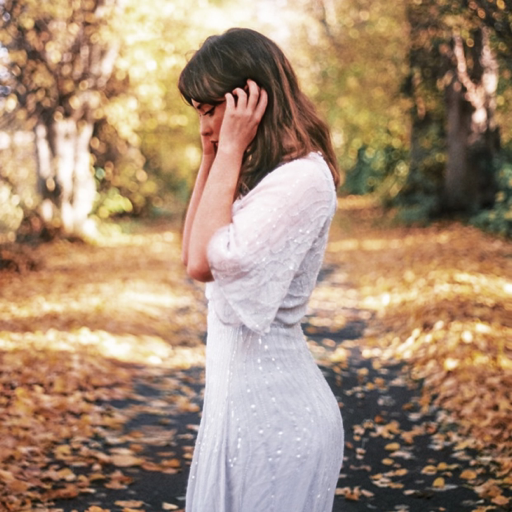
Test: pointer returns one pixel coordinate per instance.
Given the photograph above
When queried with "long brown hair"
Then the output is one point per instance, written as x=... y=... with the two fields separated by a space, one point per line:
x=290 y=127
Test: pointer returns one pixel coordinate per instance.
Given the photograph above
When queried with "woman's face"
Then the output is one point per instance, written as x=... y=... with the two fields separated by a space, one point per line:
x=210 y=121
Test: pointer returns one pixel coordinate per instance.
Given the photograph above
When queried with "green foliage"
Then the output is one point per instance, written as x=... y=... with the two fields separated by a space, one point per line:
x=122 y=184
x=113 y=203
x=381 y=170
x=419 y=197
x=498 y=219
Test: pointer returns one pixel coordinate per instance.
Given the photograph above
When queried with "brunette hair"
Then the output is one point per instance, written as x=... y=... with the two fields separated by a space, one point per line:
x=290 y=127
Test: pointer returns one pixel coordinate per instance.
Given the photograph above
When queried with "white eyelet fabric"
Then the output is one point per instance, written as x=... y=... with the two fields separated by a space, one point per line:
x=271 y=434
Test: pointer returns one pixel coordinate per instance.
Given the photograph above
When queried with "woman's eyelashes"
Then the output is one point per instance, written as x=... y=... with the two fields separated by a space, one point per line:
x=208 y=112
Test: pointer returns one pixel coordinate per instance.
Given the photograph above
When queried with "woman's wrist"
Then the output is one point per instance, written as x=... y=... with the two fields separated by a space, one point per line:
x=230 y=150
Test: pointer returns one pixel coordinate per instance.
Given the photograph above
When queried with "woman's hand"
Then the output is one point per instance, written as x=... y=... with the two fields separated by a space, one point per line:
x=244 y=111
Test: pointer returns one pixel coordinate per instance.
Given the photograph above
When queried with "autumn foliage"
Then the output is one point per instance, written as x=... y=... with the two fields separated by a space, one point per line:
x=440 y=299
x=73 y=336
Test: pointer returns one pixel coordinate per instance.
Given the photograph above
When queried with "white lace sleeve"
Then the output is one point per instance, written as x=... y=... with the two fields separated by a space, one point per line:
x=254 y=259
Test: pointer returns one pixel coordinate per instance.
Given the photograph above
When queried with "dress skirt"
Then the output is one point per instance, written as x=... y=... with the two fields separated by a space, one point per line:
x=271 y=433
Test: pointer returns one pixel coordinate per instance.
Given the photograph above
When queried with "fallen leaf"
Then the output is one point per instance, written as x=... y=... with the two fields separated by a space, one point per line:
x=126 y=461
x=501 y=500
x=438 y=483
x=468 y=474
x=429 y=470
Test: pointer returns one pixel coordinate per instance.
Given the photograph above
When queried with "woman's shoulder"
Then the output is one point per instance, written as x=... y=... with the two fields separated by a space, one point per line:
x=311 y=165
x=310 y=171
x=291 y=180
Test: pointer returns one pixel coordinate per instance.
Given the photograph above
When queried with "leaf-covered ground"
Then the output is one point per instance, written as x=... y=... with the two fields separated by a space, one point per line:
x=102 y=361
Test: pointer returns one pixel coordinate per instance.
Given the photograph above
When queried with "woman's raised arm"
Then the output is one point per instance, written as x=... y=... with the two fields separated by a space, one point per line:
x=197 y=192
x=239 y=127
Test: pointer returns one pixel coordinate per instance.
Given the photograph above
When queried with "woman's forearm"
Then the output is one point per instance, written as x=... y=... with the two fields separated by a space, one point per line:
x=197 y=192
x=213 y=211
x=239 y=118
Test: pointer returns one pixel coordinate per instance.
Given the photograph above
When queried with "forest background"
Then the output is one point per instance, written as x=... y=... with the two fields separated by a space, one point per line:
x=417 y=93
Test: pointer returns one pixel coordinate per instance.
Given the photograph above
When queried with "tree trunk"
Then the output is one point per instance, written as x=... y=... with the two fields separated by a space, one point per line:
x=66 y=182
x=472 y=134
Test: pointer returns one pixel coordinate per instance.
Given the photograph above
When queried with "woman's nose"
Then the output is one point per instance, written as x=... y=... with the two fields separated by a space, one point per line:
x=205 y=127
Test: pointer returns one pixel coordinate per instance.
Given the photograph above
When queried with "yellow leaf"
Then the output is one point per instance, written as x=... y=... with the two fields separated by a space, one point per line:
x=169 y=506
x=501 y=500
x=468 y=474
x=353 y=495
x=172 y=463
x=125 y=461
x=18 y=486
x=96 y=476
x=350 y=494
x=6 y=476
x=392 y=447
x=387 y=462
x=429 y=470
x=66 y=474
x=129 y=503
x=438 y=482
x=505 y=362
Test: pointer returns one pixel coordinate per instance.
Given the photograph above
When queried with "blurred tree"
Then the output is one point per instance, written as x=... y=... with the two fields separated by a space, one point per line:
x=61 y=55
x=472 y=134
x=453 y=82
x=351 y=57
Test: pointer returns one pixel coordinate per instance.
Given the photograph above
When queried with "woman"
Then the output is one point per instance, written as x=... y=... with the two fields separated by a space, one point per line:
x=271 y=435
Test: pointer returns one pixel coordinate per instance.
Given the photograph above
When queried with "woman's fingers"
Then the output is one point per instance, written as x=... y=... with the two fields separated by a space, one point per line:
x=230 y=101
x=244 y=111
x=262 y=104
x=254 y=94
x=249 y=101
x=241 y=97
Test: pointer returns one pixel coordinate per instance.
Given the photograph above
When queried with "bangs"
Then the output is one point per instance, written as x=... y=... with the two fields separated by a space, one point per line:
x=200 y=87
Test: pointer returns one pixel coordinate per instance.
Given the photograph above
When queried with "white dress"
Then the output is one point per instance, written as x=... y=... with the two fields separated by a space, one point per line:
x=271 y=434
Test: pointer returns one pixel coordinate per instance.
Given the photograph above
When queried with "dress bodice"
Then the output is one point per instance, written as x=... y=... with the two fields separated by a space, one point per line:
x=266 y=262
